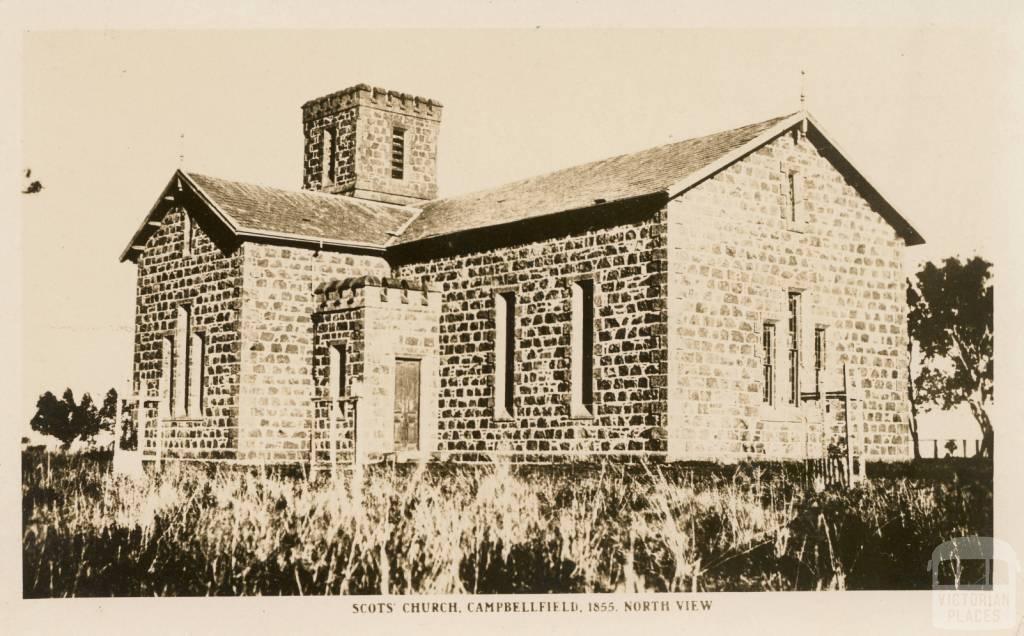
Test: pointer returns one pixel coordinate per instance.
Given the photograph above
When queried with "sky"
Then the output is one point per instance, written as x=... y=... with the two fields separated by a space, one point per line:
x=927 y=114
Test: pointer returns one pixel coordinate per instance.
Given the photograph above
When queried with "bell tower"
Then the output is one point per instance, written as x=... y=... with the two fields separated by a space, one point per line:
x=371 y=143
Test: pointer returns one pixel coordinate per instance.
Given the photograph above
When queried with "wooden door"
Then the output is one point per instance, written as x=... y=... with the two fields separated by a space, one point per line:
x=407 y=404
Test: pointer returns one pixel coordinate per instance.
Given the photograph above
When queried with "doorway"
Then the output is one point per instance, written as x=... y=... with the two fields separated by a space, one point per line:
x=407 y=404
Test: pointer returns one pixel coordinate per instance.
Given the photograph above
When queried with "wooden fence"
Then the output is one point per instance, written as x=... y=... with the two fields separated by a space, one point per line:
x=333 y=440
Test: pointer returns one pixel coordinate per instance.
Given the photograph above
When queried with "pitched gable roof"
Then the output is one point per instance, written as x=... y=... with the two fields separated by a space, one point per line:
x=304 y=212
x=670 y=169
x=623 y=177
x=260 y=212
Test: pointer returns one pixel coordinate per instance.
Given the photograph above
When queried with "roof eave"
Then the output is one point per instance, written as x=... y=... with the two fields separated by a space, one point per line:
x=305 y=239
x=654 y=196
x=899 y=222
x=156 y=208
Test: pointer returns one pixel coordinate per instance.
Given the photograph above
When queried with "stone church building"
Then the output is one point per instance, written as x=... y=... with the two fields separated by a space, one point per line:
x=734 y=296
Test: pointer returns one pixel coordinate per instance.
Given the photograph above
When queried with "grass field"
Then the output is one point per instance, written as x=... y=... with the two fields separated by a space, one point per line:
x=192 y=530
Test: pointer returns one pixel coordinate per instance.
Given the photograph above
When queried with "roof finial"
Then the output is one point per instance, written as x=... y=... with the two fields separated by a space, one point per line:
x=803 y=98
x=803 y=103
x=181 y=149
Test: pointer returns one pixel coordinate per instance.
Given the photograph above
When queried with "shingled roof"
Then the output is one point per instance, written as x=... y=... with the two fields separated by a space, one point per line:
x=622 y=177
x=263 y=213
x=304 y=212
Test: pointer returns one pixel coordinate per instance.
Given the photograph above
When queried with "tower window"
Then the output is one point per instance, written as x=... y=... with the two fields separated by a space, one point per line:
x=582 y=376
x=330 y=159
x=504 y=359
x=794 y=348
x=398 y=153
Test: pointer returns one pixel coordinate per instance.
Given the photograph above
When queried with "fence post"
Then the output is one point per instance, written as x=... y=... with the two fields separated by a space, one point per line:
x=159 y=444
x=935 y=449
x=142 y=424
x=848 y=385
x=312 y=443
x=355 y=429
x=332 y=436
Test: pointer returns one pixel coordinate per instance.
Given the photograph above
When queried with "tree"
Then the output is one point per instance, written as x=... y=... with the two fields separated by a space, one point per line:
x=951 y=321
x=84 y=418
x=53 y=418
x=950 y=448
x=68 y=420
x=911 y=295
x=108 y=412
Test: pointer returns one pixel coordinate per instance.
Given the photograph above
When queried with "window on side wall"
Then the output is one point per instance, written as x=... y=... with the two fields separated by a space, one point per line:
x=197 y=375
x=182 y=364
x=768 y=363
x=794 y=326
x=582 y=331
x=167 y=366
x=504 y=358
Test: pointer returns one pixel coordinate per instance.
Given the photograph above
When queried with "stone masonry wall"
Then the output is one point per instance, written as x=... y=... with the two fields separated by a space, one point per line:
x=342 y=125
x=209 y=282
x=626 y=263
x=373 y=156
x=733 y=258
x=344 y=325
x=377 y=325
x=276 y=404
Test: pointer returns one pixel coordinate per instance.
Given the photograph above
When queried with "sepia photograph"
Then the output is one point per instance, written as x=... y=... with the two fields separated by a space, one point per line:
x=438 y=321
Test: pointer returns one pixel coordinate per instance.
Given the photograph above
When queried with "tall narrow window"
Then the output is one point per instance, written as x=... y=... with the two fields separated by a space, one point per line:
x=768 y=363
x=794 y=213
x=505 y=354
x=794 y=348
x=186 y=233
x=398 y=153
x=167 y=376
x=179 y=402
x=819 y=357
x=582 y=377
x=336 y=371
x=196 y=375
x=329 y=158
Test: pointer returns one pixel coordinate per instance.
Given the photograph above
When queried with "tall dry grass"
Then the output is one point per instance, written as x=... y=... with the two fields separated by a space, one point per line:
x=439 y=529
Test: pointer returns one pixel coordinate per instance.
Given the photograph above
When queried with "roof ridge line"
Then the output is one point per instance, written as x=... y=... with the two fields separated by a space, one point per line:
x=612 y=157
